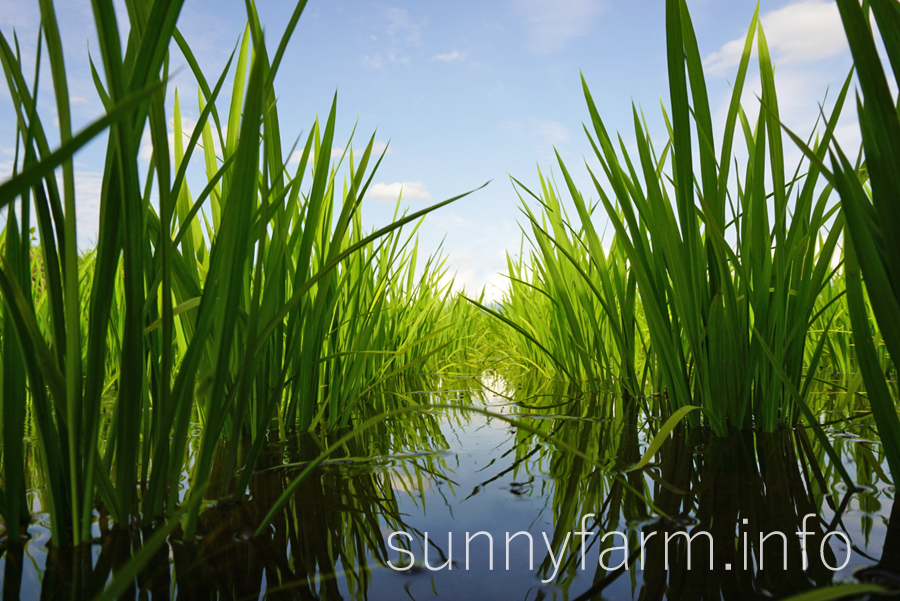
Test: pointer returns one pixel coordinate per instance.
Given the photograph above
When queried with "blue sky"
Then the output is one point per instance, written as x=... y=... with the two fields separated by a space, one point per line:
x=465 y=92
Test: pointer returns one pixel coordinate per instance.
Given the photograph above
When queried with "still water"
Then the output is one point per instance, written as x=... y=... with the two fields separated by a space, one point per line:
x=542 y=522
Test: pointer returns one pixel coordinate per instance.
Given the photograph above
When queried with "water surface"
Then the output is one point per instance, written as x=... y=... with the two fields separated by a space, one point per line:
x=449 y=474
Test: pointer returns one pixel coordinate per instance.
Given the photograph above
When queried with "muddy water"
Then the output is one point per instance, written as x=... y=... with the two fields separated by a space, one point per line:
x=358 y=528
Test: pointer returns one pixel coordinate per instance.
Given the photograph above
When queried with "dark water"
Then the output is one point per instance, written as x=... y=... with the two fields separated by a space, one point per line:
x=446 y=475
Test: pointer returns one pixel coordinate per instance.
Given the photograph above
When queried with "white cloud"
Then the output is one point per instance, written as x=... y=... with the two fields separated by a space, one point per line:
x=552 y=25
x=801 y=32
x=396 y=56
x=848 y=136
x=543 y=134
x=800 y=92
x=401 y=27
x=475 y=272
x=450 y=57
x=401 y=32
x=447 y=219
x=380 y=146
x=552 y=132
x=808 y=46
x=495 y=287
x=391 y=192
x=373 y=61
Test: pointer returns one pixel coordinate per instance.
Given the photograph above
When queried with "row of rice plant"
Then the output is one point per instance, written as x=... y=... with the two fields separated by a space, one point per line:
x=593 y=337
x=260 y=304
x=716 y=288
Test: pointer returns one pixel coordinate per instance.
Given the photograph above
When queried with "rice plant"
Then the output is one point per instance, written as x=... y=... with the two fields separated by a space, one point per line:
x=726 y=271
x=868 y=196
x=586 y=295
x=258 y=302
x=253 y=308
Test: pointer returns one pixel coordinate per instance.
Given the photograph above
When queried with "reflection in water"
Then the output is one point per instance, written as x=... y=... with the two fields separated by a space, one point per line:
x=443 y=477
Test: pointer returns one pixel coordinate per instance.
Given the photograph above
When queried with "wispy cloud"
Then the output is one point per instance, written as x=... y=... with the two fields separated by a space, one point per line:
x=401 y=33
x=552 y=25
x=544 y=132
x=373 y=61
x=19 y=15
x=402 y=28
x=450 y=57
x=446 y=220
x=801 y=32
x=391 y=192
x=808 y=47
x=552 y=132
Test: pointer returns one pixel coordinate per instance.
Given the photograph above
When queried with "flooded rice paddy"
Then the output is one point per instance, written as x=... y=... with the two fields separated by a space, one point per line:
x=460 y=505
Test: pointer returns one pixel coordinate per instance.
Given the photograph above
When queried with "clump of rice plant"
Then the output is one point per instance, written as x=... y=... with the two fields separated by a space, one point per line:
x=259 y=304
x=717 y=272
x=572 y=303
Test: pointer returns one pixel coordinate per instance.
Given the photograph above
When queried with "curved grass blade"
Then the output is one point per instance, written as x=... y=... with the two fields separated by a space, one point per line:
x=662 y=435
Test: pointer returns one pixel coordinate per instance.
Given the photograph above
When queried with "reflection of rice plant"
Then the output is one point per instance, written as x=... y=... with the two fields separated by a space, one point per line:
x=328 y=537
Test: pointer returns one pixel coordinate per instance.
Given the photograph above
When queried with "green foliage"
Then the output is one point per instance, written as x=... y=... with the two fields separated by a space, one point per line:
x=258 y=307
x=261 y=307
x=705 y=270
x=873 y=252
